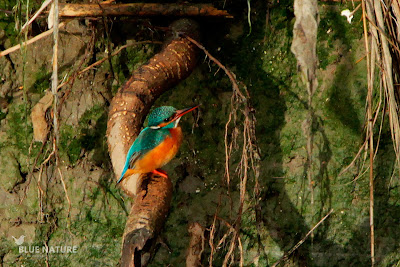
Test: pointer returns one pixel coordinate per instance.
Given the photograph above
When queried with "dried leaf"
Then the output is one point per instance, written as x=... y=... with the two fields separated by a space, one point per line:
x=38 y=116
x=50 y=17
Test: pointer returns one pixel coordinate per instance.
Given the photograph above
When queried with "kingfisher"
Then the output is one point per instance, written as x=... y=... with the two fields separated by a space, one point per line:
x=156 y=144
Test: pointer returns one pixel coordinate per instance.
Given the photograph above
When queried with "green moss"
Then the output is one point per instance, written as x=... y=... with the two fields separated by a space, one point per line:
x=7 y=23
x=335 y=34
x=263 y=61
x=88 y=136
x=69 y=143
x=41 y=81
x=20 y=128
x=129 y=60
x=100 y=226
x=95 y=236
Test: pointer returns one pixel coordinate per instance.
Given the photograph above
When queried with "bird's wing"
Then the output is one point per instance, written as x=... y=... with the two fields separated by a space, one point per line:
x=146 y=140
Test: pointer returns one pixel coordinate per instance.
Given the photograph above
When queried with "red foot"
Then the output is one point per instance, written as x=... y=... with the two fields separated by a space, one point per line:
x=160 y=173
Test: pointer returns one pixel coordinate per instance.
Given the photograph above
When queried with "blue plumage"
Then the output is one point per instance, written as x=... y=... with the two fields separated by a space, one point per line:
x=162 y=123
x=149 y=137
x=160 y=115
x=147 y=140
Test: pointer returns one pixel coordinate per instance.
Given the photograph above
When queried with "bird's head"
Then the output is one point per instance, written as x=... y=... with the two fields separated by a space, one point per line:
x=166 y=117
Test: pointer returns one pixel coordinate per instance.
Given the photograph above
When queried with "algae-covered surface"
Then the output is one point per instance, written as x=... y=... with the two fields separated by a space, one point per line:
x=88 y=214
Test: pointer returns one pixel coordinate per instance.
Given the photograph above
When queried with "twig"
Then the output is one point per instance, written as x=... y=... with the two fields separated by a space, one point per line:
x=6 y=11
x=65 y=188
x=40 y=195
x=370 y=131
x=212 y=235
x=286 y=256
x=229 y=255
x=54 y=76
x=30 y=41
x=241 y=263
x=228 y=178
x=225 y=236
x=384 y=35
x=44 y=5
x=54 y=84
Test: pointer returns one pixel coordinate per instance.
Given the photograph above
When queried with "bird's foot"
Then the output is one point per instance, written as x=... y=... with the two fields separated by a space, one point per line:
x=160 y=173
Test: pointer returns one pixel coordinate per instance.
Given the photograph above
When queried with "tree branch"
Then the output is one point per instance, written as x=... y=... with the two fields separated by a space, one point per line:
x=152 y=202
x=128 y=109
x=30 y=41
x=141 y=9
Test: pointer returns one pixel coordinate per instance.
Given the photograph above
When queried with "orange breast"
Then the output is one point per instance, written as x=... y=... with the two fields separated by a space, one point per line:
x=161 y=154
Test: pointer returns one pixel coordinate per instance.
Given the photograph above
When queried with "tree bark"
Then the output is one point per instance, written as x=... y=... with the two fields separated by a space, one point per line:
x=128 y=109
x=152 y=202
x=140 y=9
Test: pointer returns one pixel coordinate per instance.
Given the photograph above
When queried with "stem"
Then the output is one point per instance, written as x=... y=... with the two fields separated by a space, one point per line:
x=54 y=77
x=371 y=139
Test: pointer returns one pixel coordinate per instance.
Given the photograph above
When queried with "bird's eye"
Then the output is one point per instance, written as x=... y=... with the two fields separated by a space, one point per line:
x=166 y=120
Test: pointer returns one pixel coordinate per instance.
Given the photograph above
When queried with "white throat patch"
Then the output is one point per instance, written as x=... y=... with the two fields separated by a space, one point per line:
x=177 y=121
x=158 y=127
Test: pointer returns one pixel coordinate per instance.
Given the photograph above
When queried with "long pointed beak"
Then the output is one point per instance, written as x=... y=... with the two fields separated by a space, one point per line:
x=181 y=112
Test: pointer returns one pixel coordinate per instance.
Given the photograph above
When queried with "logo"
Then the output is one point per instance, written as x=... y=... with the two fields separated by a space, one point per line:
x=43 y=249
x=49 y=249
x=19 y=241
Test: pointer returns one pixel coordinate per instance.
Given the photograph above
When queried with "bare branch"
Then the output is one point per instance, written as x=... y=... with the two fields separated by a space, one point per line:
x=30 y=41
x=141 y=9
x=44 y=5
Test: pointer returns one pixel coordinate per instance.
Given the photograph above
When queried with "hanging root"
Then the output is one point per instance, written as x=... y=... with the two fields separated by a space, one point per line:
x=241 y=121
x=382 y=39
